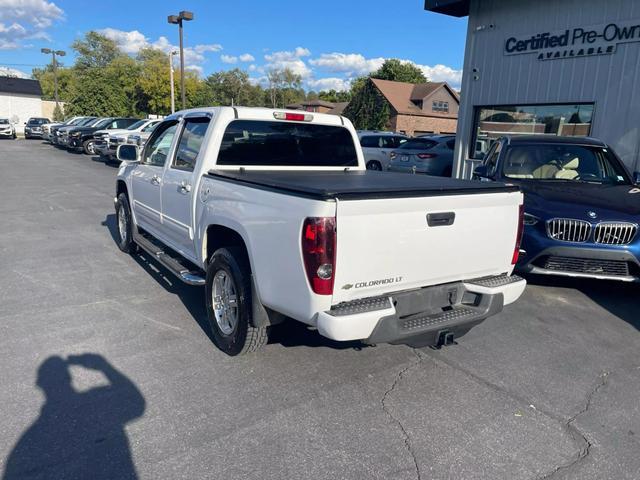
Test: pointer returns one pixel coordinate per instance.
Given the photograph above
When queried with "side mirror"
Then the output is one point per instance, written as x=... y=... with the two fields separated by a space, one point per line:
x=481 y=172
x=127 y=153
x=636 y=178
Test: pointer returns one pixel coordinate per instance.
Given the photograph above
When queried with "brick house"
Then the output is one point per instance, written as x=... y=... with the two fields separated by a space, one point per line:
x=421 y=108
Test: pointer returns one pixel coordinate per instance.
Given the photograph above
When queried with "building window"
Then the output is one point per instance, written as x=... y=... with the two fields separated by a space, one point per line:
x=441 y=107
x=493 y=122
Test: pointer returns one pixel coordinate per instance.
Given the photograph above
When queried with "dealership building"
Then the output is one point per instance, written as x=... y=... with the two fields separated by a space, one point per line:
x=548 y=67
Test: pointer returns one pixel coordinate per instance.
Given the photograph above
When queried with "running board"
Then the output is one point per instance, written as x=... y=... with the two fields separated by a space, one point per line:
x=170 y=263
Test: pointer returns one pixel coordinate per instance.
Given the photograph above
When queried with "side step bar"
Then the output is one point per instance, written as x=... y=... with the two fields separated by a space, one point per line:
x=173 y=265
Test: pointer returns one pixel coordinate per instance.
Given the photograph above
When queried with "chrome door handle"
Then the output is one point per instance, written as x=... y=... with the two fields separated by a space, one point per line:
x=185 y=187
x=155 y=180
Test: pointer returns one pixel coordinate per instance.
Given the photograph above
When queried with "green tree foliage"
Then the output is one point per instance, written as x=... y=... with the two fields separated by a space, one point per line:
x=66 y=78
x=153 y=90
x=334 y=96
x=95 y=51
x=368 y=109
x=398 y=71
x=58 y=114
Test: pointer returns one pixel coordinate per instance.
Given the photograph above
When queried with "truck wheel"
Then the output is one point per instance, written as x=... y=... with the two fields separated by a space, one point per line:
x=125 y=225
x=229 y=305
x=88 y=146
x=374 y=165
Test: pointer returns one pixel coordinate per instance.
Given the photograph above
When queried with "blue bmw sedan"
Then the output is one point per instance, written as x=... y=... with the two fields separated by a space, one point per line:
x=582 y=206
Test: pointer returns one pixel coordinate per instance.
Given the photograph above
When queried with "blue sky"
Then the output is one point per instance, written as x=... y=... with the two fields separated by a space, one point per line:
x=327 y=43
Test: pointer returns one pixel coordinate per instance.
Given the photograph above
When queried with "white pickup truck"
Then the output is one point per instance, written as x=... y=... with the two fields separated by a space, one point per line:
x=274 y=212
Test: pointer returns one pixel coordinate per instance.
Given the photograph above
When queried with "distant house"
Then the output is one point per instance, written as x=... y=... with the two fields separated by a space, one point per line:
x=20 y=99
x=421 y=108
x=319 y=106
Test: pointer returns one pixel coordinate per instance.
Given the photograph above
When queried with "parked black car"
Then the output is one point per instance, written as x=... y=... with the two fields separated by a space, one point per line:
x=56 y=131
x=33 y=127
x=81 y=138
x=581 y=205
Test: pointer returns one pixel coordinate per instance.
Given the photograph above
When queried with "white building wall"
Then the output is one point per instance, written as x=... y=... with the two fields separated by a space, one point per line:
x=19 y=108
x=611 y=82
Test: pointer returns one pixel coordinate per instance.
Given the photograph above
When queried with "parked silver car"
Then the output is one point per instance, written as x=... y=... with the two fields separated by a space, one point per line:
x=376 y=147
x=432 y=155
x=7 y=129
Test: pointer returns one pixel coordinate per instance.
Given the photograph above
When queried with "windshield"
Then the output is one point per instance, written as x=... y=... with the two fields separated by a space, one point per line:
x=138 y=124
x=4 y=121
x=86 y=121
x=569 y=163
x=417 y=144
x=37 y=121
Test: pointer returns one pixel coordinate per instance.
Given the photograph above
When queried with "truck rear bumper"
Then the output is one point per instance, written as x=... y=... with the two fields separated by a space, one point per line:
x=421 y=317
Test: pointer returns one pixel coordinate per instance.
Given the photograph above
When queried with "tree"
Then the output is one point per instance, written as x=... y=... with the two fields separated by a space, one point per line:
x=153 y=88
x=230 y=88
x=66 y=79
x=398 y=71
x=276 y=81
x=58 y=114
x=368 y=109
x=334 y=96
x=95 y=50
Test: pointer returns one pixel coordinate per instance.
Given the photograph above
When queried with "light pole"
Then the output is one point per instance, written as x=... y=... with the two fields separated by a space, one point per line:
x=59 y=53
x=177 y=20
x=173 y=95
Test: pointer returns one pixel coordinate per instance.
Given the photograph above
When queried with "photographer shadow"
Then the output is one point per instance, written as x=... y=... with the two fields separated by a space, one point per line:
x=79 y=434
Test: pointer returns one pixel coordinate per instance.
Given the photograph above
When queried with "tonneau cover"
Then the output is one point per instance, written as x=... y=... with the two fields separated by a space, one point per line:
x=358 y=184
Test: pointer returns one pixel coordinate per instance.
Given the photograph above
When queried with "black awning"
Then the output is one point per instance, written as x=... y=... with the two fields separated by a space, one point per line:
x=454 y=8
x=20 y=86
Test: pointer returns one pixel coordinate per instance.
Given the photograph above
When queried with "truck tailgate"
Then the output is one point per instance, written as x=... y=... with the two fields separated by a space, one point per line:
x=387 y=245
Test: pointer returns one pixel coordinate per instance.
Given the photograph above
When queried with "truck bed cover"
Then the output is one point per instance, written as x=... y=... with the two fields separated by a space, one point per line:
x=357 y=184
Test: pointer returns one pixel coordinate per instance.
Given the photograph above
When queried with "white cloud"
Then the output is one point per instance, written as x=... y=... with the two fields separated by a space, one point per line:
x=228 y=59
x=246 y=57
x=350 y=64
x=291 y=60
x=12 y=72
x=129 y=42
x=442 y=73
x=330 y=83
x=26 y=19
x=133 y=41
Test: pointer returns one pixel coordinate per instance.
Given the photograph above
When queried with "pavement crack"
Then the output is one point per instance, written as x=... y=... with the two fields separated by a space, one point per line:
x=383 y=402
x=578 y=436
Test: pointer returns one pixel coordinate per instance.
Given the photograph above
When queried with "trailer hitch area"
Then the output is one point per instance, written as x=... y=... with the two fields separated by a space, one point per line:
x=444 y=339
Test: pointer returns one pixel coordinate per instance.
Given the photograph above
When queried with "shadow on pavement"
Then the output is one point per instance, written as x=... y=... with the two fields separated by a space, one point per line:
x=79 y=434
x=619 y=298
x=288 y=334
x=108 y=163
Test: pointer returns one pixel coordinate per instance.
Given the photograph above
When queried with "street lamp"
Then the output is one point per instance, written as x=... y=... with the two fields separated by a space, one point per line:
x=177 y=20
x=59 y=53
x=173 y=95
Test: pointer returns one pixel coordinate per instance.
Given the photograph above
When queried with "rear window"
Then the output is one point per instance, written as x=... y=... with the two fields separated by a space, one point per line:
x=418 y=143
x=284 y=144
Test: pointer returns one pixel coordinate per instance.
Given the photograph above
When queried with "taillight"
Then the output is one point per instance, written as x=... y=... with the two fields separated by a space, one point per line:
x=424 y=156
x=319 y=253
x=294 y=117
x=516 y=251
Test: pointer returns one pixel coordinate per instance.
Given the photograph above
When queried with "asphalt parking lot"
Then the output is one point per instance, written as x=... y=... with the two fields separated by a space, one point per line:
x=108 y=371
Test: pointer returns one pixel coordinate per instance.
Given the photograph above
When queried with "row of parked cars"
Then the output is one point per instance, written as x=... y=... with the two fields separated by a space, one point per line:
x=97 y=135
x=389 y=151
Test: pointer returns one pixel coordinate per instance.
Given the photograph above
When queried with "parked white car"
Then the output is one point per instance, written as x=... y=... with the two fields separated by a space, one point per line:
x=107 y=141
x=7 y=129
x=274 y=212
x=377 y=146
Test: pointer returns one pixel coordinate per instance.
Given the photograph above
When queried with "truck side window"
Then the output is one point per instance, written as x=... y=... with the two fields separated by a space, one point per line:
x=159 y=144
x=190 y=143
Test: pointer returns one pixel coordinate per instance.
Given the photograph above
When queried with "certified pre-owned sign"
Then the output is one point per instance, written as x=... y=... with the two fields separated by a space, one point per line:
x=575 y=42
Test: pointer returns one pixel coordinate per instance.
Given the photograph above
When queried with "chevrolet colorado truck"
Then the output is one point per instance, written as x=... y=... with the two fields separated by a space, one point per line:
x=274 y=212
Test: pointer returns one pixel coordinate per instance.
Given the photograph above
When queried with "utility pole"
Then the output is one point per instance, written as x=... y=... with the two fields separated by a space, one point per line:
x=177 y=20
x=59 y=53
x=173 y=93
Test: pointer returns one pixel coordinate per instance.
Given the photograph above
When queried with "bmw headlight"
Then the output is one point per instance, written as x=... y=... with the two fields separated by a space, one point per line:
x=530 y=219
x=74 y=134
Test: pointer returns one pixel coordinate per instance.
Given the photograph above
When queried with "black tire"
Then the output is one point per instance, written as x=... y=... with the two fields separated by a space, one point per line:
x=374 y=165
x=244 y=338
x=125 y=233
x=88 y=147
